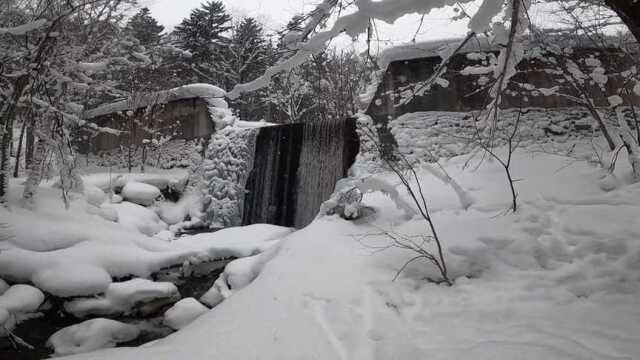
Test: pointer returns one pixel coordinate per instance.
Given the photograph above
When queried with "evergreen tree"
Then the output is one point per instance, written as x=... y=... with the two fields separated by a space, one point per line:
x=248 y=52
x=144 y=27
x=248 y=57
x=203 y=34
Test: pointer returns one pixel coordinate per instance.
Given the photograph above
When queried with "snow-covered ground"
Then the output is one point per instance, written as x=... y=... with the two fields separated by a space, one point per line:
x=560 y=279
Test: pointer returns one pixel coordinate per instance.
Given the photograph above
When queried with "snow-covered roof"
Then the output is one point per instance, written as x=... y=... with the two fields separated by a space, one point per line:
x=432 y=48
x=162 y=97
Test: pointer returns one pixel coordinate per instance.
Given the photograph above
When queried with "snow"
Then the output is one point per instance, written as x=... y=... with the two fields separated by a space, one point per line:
x=21 y=298
x=205 y=91
x=94 y=195
x=140 y=193
x=75 y=252
x=481 y=20
x=174 y=178
x=122 y=297
x=226 y=168
x=559 y=279
x=433 y=48
x=138 y=218
x=91 y=335
x=183 y=313
x=72 y=279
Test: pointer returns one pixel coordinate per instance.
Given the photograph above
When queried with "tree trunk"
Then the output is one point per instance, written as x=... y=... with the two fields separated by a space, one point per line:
x=16 y=169
x=629 y=12
x=29 y=146
x=5 y=158
x=34 y=172
x=7 y=118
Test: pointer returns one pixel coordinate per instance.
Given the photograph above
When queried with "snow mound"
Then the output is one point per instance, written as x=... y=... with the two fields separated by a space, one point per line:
x=94 y=195
x=140 y=193
x=138 y=218
x=123 y=297
x=183 y=313
x=189 y=205
x=69 y=279
x=21 y=299
x=174 y=179
x=91 y=335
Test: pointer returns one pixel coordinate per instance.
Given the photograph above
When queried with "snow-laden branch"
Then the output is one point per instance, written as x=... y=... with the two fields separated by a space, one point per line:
x=357 y=23
x=24 y=28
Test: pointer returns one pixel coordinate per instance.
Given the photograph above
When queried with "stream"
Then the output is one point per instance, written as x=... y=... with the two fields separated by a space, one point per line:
x=37 y=330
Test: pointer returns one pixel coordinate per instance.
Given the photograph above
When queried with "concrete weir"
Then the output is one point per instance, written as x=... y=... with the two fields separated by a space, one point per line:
x=295 y=169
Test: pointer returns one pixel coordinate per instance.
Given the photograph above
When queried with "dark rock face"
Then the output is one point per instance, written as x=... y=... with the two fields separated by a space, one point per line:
x=295 y=169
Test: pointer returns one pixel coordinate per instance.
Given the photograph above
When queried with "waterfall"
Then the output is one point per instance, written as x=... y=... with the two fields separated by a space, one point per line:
x=295 y=169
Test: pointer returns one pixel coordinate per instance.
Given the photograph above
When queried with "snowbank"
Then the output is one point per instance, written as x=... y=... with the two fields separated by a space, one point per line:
x=557 y=280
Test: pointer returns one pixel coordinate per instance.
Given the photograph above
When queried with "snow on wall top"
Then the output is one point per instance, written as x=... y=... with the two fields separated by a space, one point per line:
x=190 y=91
x=442 y=47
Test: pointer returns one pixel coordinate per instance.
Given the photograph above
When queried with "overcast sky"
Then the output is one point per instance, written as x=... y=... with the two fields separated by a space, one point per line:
x=274 y=14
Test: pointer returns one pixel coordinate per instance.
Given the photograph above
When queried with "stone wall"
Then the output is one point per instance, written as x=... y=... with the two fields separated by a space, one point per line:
x=184 y=119
x=464 y=93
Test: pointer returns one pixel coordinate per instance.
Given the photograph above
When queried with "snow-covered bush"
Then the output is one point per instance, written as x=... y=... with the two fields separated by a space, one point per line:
x=225 y=170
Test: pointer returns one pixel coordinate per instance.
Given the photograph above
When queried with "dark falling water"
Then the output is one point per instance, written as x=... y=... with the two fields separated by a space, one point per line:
x=295 y=169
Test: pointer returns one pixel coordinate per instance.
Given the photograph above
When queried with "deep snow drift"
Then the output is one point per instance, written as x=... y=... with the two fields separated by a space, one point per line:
x=560 y=279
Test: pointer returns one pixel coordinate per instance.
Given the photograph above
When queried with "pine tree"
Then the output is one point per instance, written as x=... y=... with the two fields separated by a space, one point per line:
x=248 y=50
x=203 y=34
x=144 y=27
x=248 y=57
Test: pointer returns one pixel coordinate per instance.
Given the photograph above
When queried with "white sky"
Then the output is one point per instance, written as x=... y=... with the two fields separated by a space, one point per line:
x=273 y=14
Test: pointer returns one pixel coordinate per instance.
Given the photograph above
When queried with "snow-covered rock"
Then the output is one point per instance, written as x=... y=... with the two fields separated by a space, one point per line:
x=94 y=195
x=124 y=298
x=138 y=218
x=140 y=193
x=21 y=298
x=69 y=279
x=212 y=297
x=183 y=313
x=91 y=335
x=190 y=205
x=116 y=199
